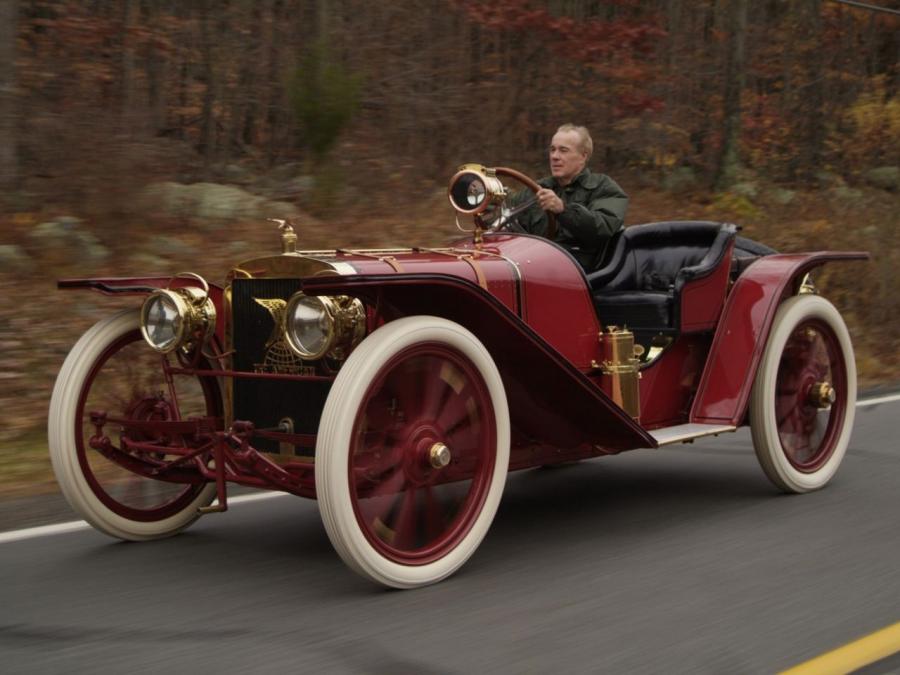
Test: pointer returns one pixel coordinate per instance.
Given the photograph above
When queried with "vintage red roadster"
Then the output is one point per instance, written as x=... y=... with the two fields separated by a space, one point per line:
x=399 y=386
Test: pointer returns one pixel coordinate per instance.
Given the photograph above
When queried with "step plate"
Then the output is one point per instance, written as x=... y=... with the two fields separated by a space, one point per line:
x=688 y=432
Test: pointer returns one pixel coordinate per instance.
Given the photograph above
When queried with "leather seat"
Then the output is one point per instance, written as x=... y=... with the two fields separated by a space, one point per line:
x=640 y=285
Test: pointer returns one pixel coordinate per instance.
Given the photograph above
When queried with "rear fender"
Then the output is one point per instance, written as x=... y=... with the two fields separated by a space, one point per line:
x=550 y=400
x=743 y=331
x=143 y=286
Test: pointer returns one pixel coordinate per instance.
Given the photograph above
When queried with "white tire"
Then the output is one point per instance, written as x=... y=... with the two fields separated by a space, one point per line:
x=110 y=498
x=410 y=386
x=800 y=439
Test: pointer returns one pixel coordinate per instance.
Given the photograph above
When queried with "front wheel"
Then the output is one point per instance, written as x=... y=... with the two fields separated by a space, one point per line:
x=412 y=452
x=112 y=370
x=804 y=397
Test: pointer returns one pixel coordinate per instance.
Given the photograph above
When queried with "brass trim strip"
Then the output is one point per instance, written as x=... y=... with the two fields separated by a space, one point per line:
x=228 y=403
x=363 y=251
x=479 y=273
x=449 y=252
x=457 y=252
x=389 y=259
x=393 y=262
x=518 y=274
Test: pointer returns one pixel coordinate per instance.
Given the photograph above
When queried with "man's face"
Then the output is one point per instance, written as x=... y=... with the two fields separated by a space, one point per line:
x=566 y=157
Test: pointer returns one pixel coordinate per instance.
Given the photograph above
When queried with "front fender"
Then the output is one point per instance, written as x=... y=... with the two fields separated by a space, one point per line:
x=143 y=286
x=550 y=400
x=743 y=330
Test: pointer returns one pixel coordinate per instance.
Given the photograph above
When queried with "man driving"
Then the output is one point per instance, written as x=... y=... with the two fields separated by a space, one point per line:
x=589 y=207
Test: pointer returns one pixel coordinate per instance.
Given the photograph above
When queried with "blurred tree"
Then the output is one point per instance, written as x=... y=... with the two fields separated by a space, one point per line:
x=9 y=162
x=735 y=49
x=662 y=83
x=208 y=124
x=324 y=96
x=811 y=113
x=129 y=12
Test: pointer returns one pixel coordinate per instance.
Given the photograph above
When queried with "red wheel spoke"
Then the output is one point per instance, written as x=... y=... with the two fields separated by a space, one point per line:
x=128 y=382
x=786 y=415
x=431 y=394
x=811 y=356
x=434 y=517
x=406 y=521
x=455 y=411
x=390 y=485
x=435 y=393
x=406 y=387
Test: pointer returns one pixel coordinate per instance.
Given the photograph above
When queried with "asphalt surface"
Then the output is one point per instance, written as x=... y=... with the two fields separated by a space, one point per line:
x=681 y=560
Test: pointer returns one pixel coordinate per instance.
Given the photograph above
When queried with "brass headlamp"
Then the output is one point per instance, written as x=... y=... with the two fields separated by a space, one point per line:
x=173 y=318
x=316 y=325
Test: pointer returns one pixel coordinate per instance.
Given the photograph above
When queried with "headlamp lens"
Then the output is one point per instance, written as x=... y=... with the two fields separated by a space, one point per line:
x=161 y=322
x=310 y=326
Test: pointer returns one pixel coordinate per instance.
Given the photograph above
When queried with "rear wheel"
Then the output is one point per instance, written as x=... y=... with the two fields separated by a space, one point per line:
x=803 y=401
x=412 y=452
x=111 y=369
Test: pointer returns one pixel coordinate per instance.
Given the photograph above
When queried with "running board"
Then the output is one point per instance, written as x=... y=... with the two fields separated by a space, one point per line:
x=688 y=432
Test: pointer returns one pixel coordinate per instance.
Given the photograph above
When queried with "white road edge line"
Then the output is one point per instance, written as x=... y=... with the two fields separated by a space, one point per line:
x=73 y=526
x=877 y=400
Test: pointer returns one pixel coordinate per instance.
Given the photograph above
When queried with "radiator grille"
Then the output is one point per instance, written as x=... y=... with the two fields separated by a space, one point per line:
x=256 y=304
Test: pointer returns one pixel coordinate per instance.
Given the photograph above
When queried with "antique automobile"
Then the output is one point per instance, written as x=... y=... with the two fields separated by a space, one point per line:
x=398 y=387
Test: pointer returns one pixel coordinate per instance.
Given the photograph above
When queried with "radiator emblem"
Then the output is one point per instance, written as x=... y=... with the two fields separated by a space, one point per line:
x=279 y=358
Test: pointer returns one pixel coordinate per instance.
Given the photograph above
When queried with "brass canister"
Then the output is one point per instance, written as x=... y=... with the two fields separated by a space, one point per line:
x=621 y=369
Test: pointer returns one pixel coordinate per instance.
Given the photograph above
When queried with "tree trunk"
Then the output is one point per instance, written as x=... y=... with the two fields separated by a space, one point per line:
x=9 y=161
x=127 y=72
x=729 y=157
x=813 y=136
x=208 y=123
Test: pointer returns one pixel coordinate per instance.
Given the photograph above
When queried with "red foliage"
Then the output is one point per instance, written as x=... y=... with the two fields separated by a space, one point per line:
x=617 y=47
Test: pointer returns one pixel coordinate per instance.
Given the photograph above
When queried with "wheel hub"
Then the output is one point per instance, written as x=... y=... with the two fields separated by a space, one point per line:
x=822 y=395
x=439 y=455
x=427 y=455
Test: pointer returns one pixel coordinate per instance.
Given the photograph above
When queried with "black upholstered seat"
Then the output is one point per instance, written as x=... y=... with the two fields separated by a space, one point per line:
x=640 y=285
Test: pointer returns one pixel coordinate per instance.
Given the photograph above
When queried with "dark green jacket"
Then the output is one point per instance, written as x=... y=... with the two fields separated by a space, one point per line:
x=595 y=211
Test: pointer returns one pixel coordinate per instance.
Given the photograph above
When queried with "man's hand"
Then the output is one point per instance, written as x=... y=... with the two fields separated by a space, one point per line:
x=549 y=201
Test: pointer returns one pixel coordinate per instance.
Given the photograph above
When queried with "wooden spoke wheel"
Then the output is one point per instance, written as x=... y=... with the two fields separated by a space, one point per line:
x=111 y=369
x=413 y=451
x=803 y=401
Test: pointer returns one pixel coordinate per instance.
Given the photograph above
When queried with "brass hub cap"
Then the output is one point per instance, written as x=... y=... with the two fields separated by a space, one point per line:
x=822 y=395
x=439 y=455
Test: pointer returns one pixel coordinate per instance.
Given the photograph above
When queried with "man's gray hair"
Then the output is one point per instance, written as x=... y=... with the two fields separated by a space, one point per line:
x=587 y=143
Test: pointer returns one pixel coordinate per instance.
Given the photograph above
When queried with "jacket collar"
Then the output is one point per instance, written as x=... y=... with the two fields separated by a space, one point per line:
x=585 y=179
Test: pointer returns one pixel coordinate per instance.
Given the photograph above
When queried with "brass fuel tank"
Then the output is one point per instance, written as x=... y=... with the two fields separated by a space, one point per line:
x=620 y=367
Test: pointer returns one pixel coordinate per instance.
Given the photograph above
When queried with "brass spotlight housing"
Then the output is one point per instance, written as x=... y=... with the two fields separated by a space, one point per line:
x=474 y=188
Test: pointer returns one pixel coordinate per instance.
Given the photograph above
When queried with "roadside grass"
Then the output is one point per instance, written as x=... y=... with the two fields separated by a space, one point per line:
x=25 y=466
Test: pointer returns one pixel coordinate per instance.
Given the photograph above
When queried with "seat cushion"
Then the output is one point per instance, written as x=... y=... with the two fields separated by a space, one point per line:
x=647 y=310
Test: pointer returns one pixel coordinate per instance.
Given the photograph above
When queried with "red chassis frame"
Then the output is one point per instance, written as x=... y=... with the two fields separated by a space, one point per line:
x=558 y=408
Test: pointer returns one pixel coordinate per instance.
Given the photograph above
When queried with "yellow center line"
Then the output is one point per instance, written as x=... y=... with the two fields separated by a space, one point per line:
x=853 y=656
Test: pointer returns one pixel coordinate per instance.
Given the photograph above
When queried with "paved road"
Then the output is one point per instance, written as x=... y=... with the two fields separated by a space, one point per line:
x=675 y=560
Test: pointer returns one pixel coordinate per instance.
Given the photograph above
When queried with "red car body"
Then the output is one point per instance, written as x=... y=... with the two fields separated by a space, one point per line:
x=532 y=308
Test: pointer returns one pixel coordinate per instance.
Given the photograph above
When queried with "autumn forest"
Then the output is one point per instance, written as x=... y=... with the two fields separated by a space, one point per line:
x=780 y=115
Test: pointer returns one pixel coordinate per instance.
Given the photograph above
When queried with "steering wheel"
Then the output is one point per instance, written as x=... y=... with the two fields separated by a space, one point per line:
x=505 y=218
